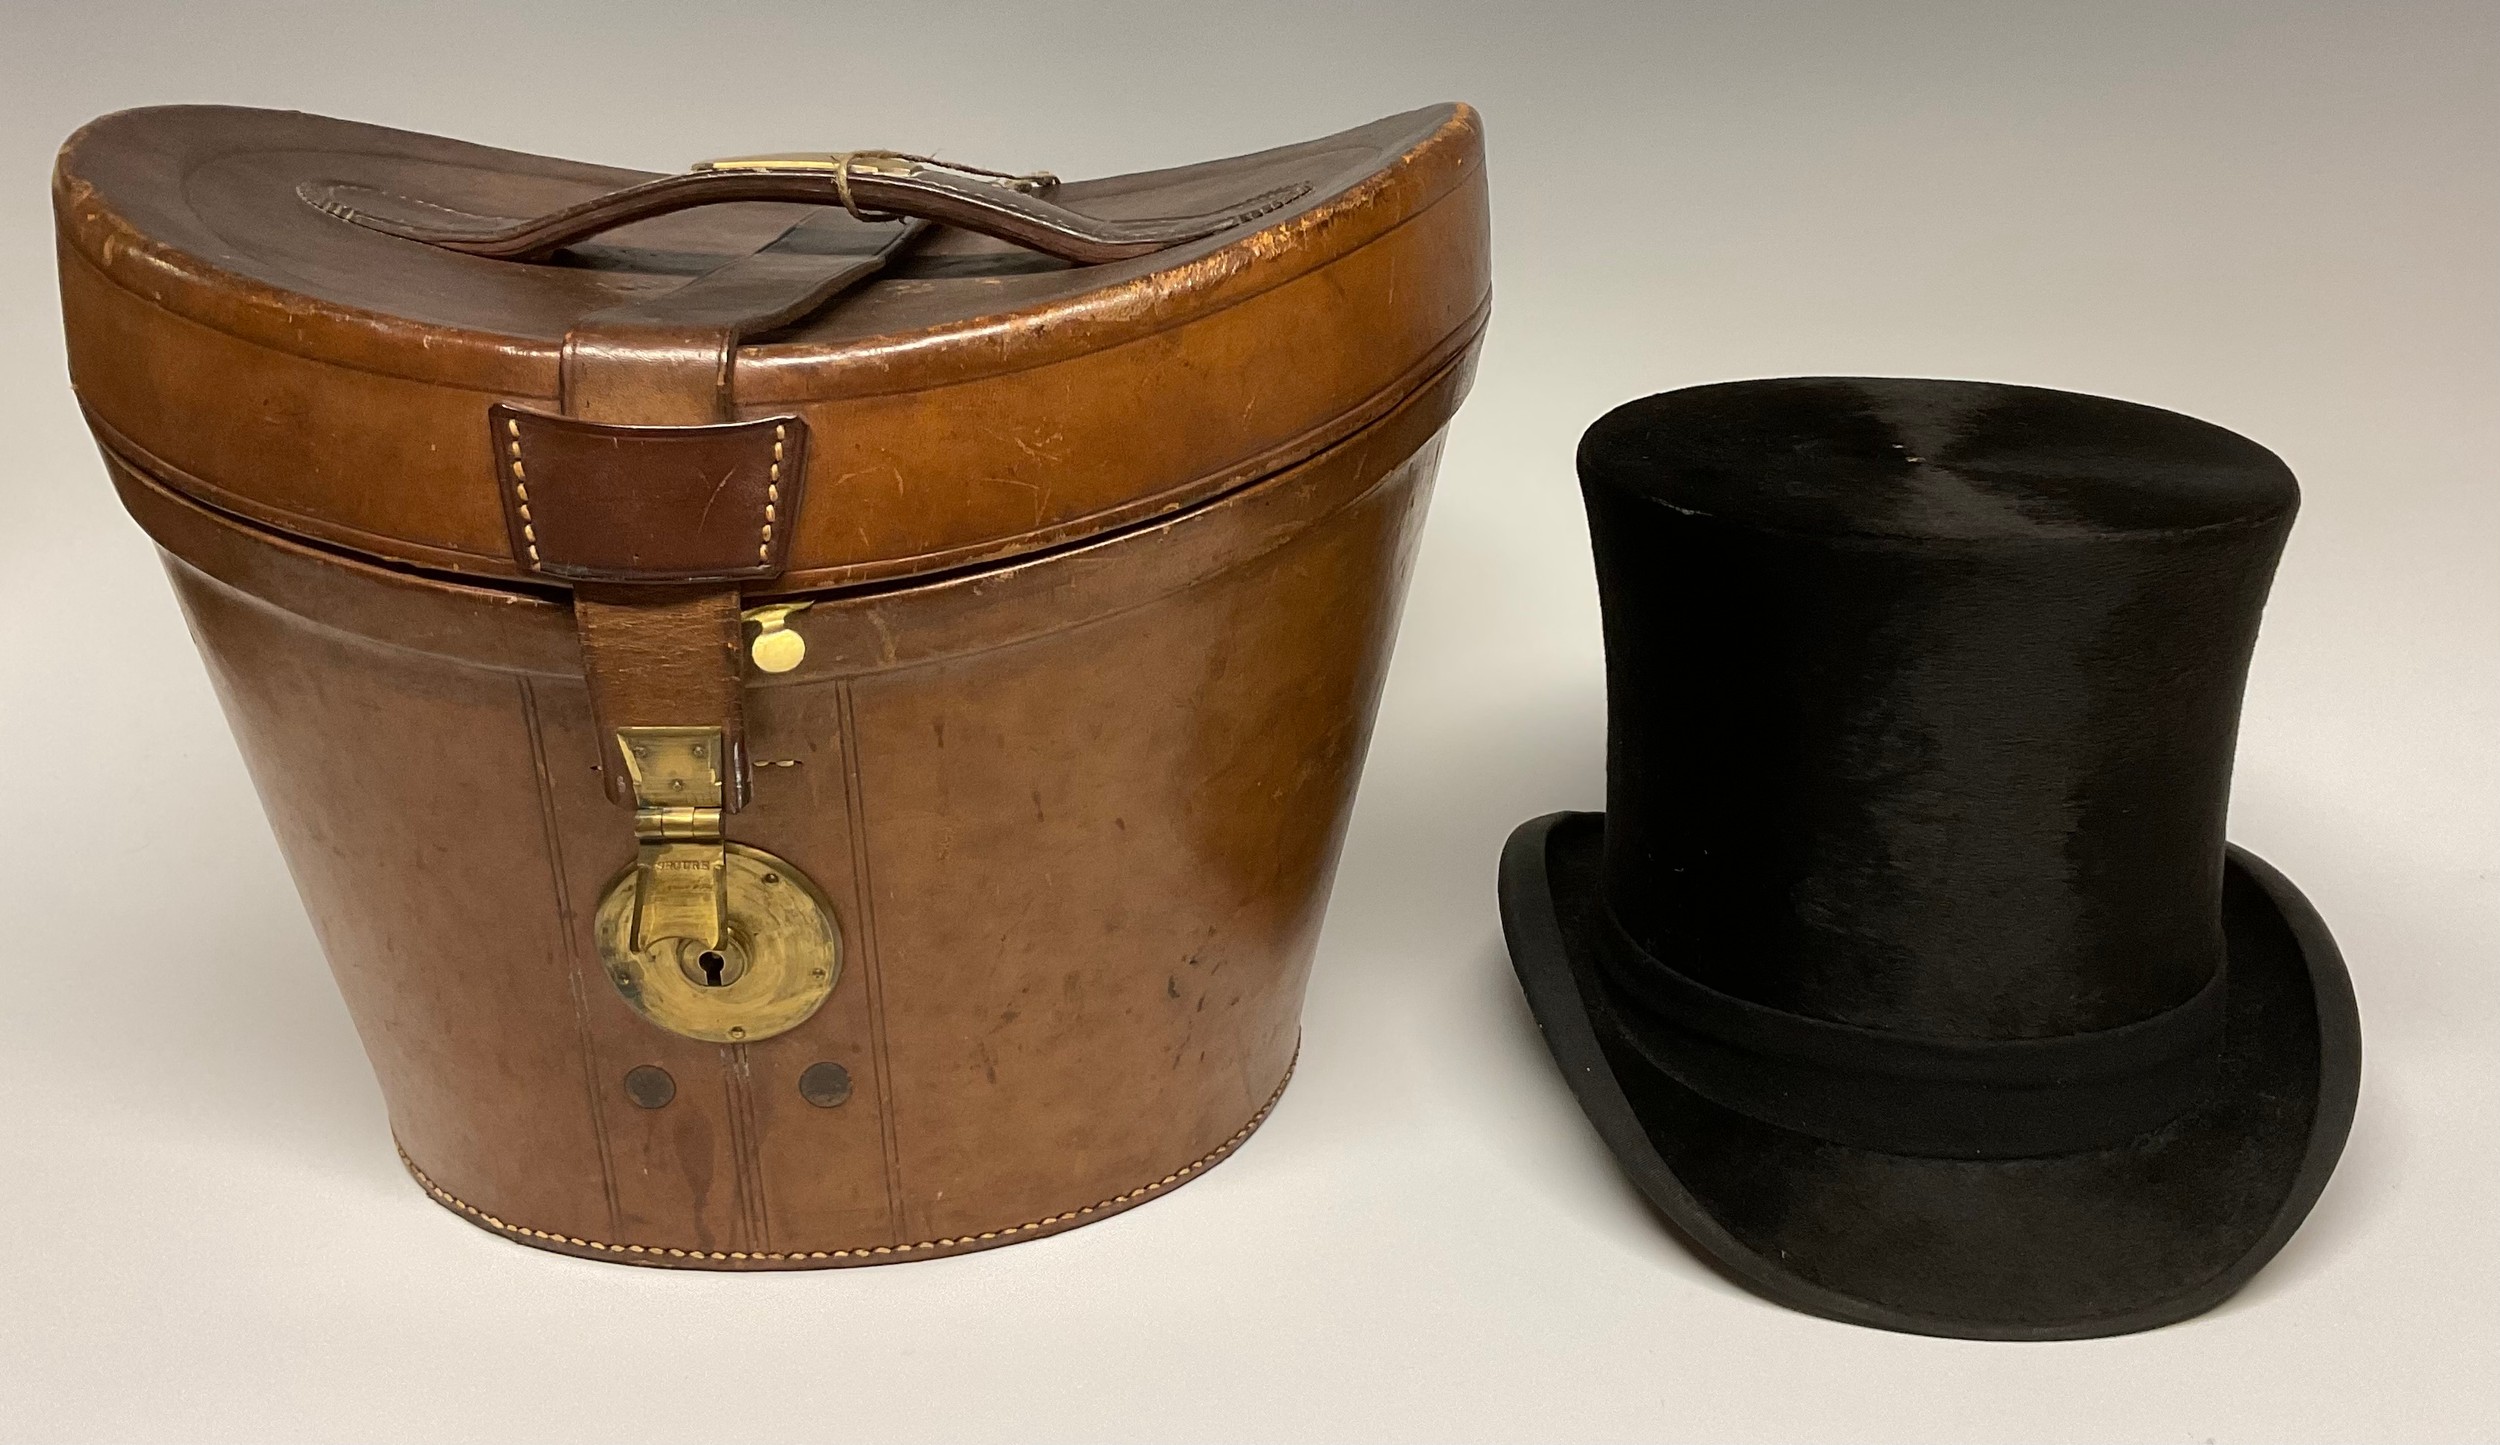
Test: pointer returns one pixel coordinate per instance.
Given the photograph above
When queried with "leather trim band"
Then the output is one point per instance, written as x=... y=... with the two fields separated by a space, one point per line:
x=1907 y=1094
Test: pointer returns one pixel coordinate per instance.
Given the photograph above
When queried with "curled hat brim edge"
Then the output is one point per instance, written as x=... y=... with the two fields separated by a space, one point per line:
x=1974 y=1246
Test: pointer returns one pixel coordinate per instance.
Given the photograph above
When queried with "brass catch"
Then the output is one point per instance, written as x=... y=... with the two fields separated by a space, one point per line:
x=775 y=647
x=678 y=867
x=704 y=937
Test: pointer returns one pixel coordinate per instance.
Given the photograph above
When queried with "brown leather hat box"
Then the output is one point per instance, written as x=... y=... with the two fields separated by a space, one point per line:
x=812 y=702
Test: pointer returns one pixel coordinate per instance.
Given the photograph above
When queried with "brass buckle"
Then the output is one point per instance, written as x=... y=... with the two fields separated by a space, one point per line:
x=842 y=165
x=875 y=163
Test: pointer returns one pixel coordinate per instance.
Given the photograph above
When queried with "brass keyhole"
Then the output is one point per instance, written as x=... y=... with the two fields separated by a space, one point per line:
x=712 y=967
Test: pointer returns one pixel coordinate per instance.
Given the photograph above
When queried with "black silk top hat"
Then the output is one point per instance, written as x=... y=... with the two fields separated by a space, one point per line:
x=1908 y=972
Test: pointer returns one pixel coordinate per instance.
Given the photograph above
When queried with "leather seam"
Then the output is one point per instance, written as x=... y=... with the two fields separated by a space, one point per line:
x=505 y=592
x=772 y=496
x=521 y=491
x=529 y=530
x=566 y=924
x=323 y=196
x=1177 y=1177
x=864 y=912
x=458 y=566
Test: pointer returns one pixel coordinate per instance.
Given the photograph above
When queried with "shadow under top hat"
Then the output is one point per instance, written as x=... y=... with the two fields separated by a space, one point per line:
x=1908 y=970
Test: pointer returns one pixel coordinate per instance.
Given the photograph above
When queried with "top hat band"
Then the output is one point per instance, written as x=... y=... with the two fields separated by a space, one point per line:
x=1911 y=1094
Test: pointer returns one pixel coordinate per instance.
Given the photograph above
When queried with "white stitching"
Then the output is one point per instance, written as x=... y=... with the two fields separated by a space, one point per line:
x=772 y=497
x=521 y=491
x=1177 y=1176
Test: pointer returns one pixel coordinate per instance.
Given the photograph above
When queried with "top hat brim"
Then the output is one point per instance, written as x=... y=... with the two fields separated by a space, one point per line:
x=2115 y=1240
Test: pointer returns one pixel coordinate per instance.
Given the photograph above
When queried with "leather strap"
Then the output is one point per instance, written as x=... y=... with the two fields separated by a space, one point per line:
x=924 y=191
x=663 y=657
x=655 y=502
x=667 y=360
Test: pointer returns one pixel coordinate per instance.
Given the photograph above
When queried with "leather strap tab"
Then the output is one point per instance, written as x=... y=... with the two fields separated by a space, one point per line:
x=671 y=359
x=663 y=658
x=622 y=369
x=655 y=501
x=589 y=501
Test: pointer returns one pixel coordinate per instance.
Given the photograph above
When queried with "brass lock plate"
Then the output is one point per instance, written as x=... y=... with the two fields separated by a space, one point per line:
x=778 y=955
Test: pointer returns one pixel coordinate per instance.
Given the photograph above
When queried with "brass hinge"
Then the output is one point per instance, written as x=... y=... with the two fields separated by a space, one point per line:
x=680 y=862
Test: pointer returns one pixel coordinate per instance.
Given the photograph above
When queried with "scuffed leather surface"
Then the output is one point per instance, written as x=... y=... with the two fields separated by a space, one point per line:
x=1076 y=811
x=272 y=360
x=1077 y=818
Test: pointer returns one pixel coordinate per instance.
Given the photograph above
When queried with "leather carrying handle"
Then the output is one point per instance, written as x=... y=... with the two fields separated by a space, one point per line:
x=648 y=492
x=927 y=192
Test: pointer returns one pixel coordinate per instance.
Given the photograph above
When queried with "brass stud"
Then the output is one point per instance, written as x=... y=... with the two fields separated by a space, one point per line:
x=825 y=1085
x=649 y=1086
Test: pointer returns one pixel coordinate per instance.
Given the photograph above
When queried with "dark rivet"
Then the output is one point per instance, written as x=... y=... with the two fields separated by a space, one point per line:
x=649 y=1086
x=825 y=1085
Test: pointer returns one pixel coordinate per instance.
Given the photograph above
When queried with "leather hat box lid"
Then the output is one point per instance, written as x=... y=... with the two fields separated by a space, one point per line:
x=242 y=341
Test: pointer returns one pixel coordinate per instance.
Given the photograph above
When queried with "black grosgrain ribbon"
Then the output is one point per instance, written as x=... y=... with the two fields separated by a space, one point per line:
x=1913 y=1094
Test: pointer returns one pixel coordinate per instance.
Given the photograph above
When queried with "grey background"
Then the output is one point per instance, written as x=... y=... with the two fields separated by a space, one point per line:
x=2280 y=217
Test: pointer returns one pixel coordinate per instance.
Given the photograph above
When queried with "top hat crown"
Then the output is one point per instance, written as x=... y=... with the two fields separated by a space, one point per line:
x=1917 y=724
x=1922 y=697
